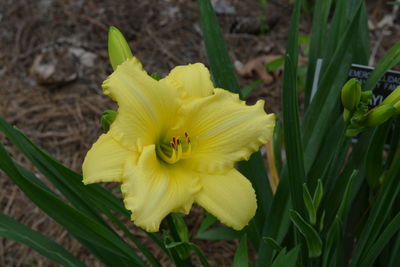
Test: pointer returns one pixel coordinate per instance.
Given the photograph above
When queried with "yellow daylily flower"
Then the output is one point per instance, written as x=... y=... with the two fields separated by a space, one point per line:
x=174 y=142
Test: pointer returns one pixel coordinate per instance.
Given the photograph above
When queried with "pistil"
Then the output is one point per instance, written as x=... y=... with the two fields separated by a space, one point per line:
x=175 y=150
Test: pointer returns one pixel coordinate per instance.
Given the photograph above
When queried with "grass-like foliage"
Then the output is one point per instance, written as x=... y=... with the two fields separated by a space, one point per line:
x=337 y=201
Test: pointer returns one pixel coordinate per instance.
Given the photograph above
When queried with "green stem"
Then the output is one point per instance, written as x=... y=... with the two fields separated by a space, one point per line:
x=328 y=172
x=175 y=255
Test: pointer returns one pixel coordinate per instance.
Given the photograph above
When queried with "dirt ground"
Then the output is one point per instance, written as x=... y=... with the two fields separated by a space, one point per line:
x=53 y=58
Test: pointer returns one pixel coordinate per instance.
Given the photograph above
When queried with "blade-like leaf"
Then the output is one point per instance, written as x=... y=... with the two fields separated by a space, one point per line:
x=224 y=77
x=272 y=242
x=241 y=258
x=387 y=62
x=291 y=124
x=219 y=233
x=100 y=237
x=375 y=154
x=318 y=194
x=85 y=198
x=314 y=242
x=379 y=213
x=13 y=230
x=312 y=212
x=206 y=223
x=287 y=259
x=381 y=242
x=247 y=90
x=318 y=34
x=217 y=52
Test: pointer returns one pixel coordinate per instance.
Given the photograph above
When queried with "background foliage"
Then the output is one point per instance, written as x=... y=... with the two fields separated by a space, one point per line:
x=336 y=200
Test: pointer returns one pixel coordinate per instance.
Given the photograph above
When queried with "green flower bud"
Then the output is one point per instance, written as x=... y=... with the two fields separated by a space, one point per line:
x=118 y=48
x=351 y=94
x=393 y=97
x=379 y=115
x=156 y=76
x=397 y=107
x=107 y=118
x=366 y=96
x=346 y=115
x=350 y=132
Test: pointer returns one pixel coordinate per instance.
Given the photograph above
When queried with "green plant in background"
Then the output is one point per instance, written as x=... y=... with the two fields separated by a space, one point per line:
x=337 y=202
x=263 y=17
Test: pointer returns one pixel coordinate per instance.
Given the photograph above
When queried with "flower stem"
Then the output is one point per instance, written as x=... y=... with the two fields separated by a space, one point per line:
x=179 y=261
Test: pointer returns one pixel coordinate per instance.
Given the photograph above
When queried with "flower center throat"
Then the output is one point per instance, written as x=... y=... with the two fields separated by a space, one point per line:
x=177 y=148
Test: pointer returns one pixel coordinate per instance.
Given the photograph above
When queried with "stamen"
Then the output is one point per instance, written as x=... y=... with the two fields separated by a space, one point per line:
x=176 y=150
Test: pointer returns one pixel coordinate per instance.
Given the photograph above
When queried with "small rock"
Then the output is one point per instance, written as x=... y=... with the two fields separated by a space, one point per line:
x=86 y=58
x=54 y=68
x=223 y=7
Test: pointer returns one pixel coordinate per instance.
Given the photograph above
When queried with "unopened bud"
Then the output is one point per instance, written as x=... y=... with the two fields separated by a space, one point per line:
x=118 y=48
x=366 y=96
x=393 y=97
x=379 y=115
x=156 y=76
x=107 y=118
x=354 y=131
x=346 y=115
x=397 y=107
x=351 y=94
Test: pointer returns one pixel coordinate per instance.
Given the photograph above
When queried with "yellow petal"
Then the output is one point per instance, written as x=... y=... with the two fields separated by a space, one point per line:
x=104 y=162
x=229 y=197
x=153 y=189
x=146 y=106
x=191 y=80
x=224 y=130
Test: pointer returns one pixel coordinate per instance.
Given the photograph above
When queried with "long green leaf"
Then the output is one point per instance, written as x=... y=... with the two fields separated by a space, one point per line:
x=287 y=259
x=318 y=38
x=241 y=258
x=85 y=198
x=200 y=254
x=314 y=242
x=381 y=242
x=100 y=237
x=217 y=52
x=333 y=255
x=379 y=213
x=224 y=77
x=395 y=143
x=395 y=257
x=254 y=170
x=323 y=108
x=387 y=62
x=219 y=233
x=12 y=229
x=276 y=226
x=375 y=154
x=291 y=124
